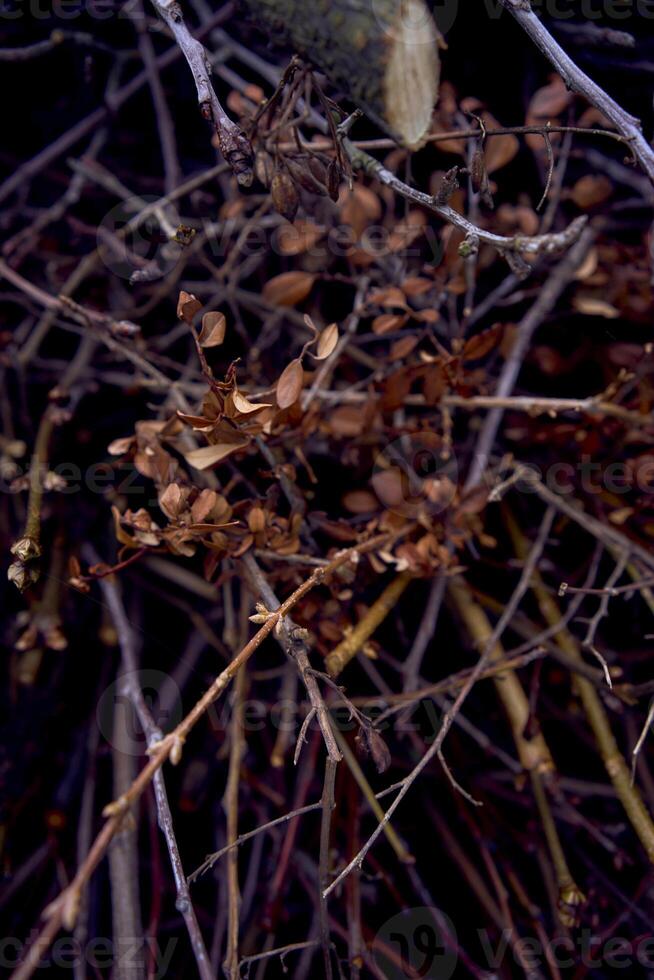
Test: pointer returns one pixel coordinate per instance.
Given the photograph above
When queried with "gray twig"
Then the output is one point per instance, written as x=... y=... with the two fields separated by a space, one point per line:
x=579 y=81
x=234 y=144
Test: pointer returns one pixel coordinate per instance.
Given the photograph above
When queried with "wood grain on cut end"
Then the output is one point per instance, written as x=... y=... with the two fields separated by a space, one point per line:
x=412 y=72
x=383 y=54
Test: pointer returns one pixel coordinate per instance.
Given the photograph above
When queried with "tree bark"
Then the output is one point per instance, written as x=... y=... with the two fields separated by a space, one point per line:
x=382 y=53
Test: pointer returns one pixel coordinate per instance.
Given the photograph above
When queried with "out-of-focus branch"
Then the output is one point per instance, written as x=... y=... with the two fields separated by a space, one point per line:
x=25 y=570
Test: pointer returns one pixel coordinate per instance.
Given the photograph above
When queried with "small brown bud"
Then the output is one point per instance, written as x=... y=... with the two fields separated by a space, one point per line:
x=319 y=170
x=303 y=176
x=285 y=197
x=369 y=741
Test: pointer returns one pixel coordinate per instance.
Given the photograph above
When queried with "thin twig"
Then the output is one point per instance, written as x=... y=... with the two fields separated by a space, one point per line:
x=133 y=692
x=514 y=250
x=578 y=81
x=63 y=910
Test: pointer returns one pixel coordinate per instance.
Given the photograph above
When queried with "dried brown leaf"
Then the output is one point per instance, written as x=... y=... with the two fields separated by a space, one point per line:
x=187 y=306
x=289 y=288
x=290 y=383
x=208 y=456
x=326 y=342
x=213 y=329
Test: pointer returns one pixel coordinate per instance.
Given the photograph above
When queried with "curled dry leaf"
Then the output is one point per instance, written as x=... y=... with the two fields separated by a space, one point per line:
x=187 y=306
x=203 y=505
x=256 y=520
x=243 y=405
x=360 y=502
x=207 y=456
x=326 y=342
x=389 y=297
x=213 y=329
x=289 y=288
x=120 y=446
x=264 y=168
x=370 y=742
x=402 y=347
x=591 y=190
x=290 y=383
x=173 y=499
x=416 y=286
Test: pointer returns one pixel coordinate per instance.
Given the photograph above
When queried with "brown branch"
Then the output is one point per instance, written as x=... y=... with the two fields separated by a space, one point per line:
x=292 y=641
x=328 y=803
x=63 y=910
x=230 y=804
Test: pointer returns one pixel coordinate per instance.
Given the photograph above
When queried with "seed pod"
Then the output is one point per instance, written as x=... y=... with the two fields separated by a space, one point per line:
x=477 y=168
x=479 y=176
x=303 y=176
x=264 y=168
x=333 y=180
x=285 y=197
x=319 y=170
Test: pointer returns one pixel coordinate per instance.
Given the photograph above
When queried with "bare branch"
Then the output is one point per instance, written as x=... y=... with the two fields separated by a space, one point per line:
x=579 y=81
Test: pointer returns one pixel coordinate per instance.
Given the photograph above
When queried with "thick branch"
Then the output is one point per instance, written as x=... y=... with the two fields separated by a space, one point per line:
x=383 y=54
